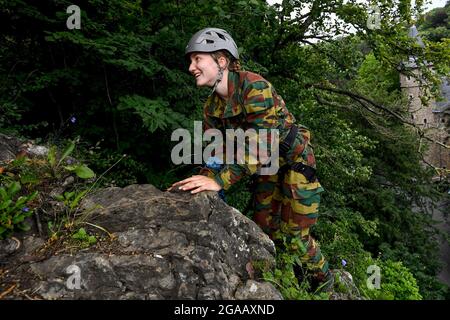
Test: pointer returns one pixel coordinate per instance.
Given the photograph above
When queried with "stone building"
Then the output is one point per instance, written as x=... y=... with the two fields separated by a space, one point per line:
x=432 y=119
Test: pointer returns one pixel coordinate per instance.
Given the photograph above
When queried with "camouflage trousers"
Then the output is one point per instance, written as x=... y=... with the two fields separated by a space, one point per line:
x=288 y=207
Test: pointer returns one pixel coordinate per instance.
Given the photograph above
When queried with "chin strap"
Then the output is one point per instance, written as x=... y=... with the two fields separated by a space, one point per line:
x=218 y=79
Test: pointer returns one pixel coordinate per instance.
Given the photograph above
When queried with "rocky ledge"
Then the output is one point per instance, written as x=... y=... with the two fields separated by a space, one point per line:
x=161 y=245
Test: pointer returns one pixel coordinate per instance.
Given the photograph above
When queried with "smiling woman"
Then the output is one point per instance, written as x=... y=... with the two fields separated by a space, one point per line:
x=285 y=202
x=203 y=69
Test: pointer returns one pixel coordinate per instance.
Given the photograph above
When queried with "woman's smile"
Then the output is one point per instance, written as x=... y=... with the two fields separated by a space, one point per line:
x=204 y=69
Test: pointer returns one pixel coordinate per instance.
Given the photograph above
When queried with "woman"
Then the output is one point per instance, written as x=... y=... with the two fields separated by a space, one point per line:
x=286 y=203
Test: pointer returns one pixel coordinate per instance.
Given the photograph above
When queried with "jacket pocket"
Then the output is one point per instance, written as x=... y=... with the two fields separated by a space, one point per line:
x=296 y=186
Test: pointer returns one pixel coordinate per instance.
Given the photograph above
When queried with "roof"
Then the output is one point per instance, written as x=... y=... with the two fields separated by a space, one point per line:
x=414 y=33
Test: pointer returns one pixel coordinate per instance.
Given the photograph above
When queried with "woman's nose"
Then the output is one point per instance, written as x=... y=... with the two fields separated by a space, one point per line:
x=192 y=68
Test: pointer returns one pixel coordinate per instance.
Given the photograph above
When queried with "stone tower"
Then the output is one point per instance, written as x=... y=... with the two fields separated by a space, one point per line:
x=434 y=118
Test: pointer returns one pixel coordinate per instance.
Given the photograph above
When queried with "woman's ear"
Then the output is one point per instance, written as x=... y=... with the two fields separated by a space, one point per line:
x=223 y=62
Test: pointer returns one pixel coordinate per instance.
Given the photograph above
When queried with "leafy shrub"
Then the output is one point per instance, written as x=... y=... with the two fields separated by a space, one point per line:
x=55 y=163
x=288 y=275
x=40 y=174
x=13 y=210
x=396 y=283
x=338 y=231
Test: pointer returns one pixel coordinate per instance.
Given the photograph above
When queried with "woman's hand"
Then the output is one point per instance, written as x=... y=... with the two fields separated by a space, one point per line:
x=198 y=183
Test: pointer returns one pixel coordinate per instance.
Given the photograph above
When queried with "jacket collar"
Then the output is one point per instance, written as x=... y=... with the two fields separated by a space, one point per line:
x=215 y=106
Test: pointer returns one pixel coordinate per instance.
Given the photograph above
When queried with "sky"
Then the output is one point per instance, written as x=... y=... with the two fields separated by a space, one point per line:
x=435 y=4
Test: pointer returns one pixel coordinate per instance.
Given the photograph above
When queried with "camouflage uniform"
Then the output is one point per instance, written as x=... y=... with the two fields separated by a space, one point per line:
x=288 y=205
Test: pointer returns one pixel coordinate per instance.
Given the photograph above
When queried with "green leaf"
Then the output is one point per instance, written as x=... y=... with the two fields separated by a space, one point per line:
x=3 y=194
x=29 y=179
x=69 y=195
x=33 y=195
x=80 y=234
x=153 y=112
x=84 y=172
x=13 y=188
x=70 y=168
x=5 y=204
x=68 y=151
x=52 y=156
x=59 y=197
x=18 y=218
x=24 y=226
x=75 y=201
x=92 y=239
x=20 y=202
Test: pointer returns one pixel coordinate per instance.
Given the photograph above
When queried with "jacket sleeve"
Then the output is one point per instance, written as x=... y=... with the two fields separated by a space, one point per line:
x=209 y=123
x=260 y=113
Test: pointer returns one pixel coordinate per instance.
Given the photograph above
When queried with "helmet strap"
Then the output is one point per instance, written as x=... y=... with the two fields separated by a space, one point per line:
x=218 y=79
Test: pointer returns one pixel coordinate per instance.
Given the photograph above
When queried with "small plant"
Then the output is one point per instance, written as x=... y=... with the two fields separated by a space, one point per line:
x=67 y=217
x=284 y=277
x=83 y=238
x=56 y=165
x=71 y=199
x=13 y=211
x=21 y=170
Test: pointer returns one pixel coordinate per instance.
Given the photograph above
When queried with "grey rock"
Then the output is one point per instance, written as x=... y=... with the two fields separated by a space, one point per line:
x=68 y=181
x=166 y=246
x=9 y=147
x=8 y=246
x=253 y=290
x=58 y=191
x=37 y=151
x=344 y=287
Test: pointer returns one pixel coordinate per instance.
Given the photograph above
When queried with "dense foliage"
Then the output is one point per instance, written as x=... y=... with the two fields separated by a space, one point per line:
x=121 y=84
x=435 y=25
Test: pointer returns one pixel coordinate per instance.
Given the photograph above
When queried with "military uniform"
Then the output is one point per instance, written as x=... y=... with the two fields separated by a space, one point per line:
x=284 y=204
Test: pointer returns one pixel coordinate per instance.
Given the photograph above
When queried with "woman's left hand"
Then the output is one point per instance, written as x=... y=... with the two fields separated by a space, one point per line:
x=198 y=183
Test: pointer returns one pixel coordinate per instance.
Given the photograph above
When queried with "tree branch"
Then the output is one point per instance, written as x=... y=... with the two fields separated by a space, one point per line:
x=360 y=98
x=335 y=105
x=315 y=47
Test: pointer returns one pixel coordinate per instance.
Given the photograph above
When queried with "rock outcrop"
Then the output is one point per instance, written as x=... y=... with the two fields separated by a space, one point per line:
x=164 y=246
x=9 y=147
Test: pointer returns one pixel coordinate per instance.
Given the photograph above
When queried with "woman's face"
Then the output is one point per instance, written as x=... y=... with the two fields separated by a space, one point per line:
x=204 y=69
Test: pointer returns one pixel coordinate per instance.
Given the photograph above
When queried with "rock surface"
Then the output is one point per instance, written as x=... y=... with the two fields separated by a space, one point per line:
x=9 y=147
x=165 y=246
x=343 y=286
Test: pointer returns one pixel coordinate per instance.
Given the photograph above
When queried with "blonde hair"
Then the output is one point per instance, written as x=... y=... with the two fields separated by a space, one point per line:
x=233 y=64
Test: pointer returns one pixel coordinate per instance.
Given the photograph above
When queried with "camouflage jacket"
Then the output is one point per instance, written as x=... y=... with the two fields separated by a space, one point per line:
x=252 y=104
